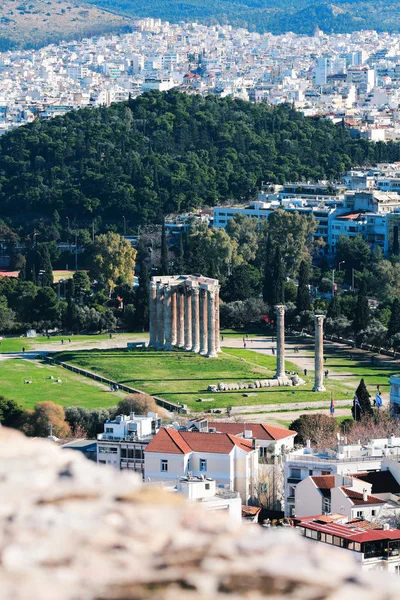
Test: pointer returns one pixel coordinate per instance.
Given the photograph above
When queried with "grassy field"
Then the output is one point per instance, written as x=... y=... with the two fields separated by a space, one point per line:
x=184 y=377
x=15 y=344
x=74 y=390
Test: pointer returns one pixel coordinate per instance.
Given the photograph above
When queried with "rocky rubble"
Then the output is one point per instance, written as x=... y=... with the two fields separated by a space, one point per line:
x=72 y=530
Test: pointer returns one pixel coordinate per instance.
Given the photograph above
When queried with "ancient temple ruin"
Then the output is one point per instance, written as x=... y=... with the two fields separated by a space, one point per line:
x=184 y=312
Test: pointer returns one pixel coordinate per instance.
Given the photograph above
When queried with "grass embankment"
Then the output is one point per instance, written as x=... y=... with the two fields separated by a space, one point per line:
x=74 y=390
x=184 y=377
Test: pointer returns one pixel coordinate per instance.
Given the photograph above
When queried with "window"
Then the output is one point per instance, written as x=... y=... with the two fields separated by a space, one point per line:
x=373 y=513
x=109 y=429
x=397 y=570
x=326 y=505
x=108 y=450
x=103 y=462
x=295 y=473
x=203 y=464
x=263 y=452
x=360 y=513
x=263 y=488
x=310 y=472
x=164 y=466
x=123 y=452
x=207 y=486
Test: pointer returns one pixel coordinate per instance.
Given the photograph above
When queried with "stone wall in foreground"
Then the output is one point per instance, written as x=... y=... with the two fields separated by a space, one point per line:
x=72 y=530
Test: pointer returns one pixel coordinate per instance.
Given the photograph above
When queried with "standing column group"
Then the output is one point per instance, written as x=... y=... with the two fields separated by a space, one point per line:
x=185 y=315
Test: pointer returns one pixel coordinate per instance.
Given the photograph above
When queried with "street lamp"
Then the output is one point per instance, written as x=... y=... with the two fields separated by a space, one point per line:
x=124 y=225
x=342 y=262
x=333 y=282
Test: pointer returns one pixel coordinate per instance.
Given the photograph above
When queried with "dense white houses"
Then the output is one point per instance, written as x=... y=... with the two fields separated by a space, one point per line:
x=344 y=460
x=124 y=440
x=232 y=461
x=371 y=547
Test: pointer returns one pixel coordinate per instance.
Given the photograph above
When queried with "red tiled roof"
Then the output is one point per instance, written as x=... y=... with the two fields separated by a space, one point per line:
x=325 y=483
x=349 y=531
x=260 y=431
x=357 y=497
x=170 y=441
x=350 y=216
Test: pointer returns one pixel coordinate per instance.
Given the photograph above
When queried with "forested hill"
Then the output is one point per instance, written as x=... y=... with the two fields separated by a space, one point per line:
x=277 y=16
x=166 y=152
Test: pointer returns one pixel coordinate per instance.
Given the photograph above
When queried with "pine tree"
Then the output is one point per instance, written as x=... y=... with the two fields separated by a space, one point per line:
x=268 y=274
x=142 y=298
x=303 y=301
x=180 y=260
x=45 y=266
x=361 y=313
x=278 y=281
x=394 y=322
x=333 y=311
x=365 y=408
x=164 y=266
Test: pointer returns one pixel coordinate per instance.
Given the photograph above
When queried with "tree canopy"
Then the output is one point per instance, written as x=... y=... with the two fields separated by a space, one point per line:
x=163 y=153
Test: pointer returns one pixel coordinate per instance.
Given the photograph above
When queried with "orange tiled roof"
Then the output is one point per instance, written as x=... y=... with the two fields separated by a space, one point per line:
x=260 y=431
x=170 y=441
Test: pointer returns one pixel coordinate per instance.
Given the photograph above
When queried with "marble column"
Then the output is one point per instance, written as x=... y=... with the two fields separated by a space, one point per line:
x=203 y=322
x=195 y=319
x=160 y=316
x=167 y=318
x=174 y=335
x=217 y=334
x=181 y=319
x=188 y=319
x=211 y=353
x=153 y=313
x=319 y=354
x=280 y=341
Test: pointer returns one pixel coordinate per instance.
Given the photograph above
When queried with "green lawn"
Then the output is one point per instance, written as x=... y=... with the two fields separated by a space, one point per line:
x=74 y=390
x=184 y=377
x=15 y=344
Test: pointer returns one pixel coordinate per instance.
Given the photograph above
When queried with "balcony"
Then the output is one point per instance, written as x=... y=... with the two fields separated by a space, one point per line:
x=294 y=479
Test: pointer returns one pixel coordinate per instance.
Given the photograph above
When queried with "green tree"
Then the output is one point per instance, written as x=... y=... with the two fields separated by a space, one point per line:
x=110 y=257
x=7 y=316
x=361 y=313
x=364 y=409
x=303 y=301
x=278 y=280
x=394 y=322
x=45 y=309
x=244 y=230
x=244 y=282
x=11 y=413
x=334 y=310
x=82 y=285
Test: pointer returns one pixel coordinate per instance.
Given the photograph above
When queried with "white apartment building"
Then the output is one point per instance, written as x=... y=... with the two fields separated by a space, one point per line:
x=344 y=460
x=230 y=460
x=124 y=440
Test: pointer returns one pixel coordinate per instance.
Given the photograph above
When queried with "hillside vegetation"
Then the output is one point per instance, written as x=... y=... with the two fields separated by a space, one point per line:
x=277 y=16
x=34 y=23
x=166 y=152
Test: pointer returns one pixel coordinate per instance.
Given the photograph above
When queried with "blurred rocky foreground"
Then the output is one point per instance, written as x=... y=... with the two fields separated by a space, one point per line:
x=70 y=530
